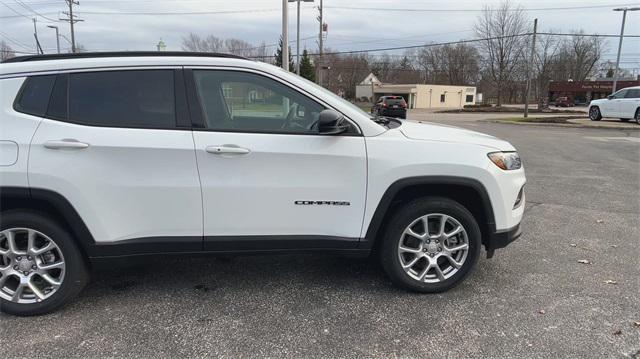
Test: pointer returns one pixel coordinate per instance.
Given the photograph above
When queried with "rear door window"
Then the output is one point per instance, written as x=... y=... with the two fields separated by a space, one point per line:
x=633 y=93
x=132 y=98
x=34 y=96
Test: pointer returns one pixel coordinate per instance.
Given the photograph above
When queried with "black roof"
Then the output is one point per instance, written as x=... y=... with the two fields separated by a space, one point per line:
x=84 y=55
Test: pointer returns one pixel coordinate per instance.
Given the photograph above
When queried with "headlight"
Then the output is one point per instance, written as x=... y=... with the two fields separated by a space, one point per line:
x=506 y=160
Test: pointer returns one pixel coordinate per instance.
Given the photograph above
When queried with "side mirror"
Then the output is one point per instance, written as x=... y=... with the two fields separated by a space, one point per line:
x=331 y=122
x=610 y=97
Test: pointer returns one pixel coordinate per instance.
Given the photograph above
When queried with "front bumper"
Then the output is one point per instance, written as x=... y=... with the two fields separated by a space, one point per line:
x=501 y=239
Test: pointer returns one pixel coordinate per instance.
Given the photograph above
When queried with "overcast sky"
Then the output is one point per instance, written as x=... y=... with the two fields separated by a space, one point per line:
x=365 y=25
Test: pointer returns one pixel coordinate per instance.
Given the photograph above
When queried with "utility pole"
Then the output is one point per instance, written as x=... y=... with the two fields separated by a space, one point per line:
x=530 y=68
x=35 y=35
x=72 y=20
x=57 y=36
x=624 y=17
x=298 y=41
x=285 y=35
x=320 y=47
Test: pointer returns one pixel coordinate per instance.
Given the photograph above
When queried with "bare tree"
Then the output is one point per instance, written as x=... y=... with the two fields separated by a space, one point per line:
x=193 y=42
x=585 y=52
x=502 y=46
x=239 y=47
x=262 y=53
x=547 y=48
x=449 y=64
x=6 y=52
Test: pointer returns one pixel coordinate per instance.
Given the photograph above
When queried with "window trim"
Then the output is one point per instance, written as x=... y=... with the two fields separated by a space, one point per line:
x=196 y=109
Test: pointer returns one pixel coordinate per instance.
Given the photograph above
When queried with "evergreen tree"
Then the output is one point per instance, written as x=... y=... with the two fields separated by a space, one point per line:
x=307 y=70
x=278 y=56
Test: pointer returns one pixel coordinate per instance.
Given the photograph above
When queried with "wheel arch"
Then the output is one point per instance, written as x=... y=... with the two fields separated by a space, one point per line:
x=52 y=204
x=469 y=192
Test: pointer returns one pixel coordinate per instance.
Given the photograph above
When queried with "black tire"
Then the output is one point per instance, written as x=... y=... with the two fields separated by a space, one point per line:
x=624 y=119
x=637 y=116
x=76 y=273
x=403 y=218
x=594 y=113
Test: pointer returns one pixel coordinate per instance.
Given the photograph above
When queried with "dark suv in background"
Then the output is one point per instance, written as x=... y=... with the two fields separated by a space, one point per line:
x=392 y=106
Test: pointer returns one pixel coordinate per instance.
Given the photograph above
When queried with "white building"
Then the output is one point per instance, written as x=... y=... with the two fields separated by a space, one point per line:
x=419 y=95
x=364 y=88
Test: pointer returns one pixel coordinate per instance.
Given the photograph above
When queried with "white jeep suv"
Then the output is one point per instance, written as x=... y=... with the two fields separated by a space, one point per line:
x=118 y=155
x=624 y=104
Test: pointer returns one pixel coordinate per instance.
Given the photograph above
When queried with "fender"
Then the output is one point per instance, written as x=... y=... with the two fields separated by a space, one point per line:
x=399 y=185
x=60 y=205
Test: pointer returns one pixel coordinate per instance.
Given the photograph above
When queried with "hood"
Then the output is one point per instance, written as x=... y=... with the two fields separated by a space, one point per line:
x=429 y=131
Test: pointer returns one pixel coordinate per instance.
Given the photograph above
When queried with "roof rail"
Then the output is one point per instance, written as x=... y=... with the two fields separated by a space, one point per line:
x=85 y=55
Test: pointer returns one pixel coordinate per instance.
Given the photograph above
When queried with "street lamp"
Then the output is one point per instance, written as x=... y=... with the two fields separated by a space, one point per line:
x=624 y=17
x=297 y=36
x=57 y=36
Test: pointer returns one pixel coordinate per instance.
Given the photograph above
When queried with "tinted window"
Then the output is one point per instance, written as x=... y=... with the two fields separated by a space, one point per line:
x=633 y=93
x=395 y=101
x=137 y=98
x=34 y=96
x=442 y=98
x=238 y=101
x=469 y=98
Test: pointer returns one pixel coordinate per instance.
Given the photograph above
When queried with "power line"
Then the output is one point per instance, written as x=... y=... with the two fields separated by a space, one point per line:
x=13 y=10
x=177 y=13
x=391 y=9
x=461 y=42
x=19 y=2
x=586 y=35
x=15 y=42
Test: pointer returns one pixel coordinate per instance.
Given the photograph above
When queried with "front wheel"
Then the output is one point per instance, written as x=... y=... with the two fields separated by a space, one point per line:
x=431 y=245
x=41 y=268
x=637 y=116
x=594 y=113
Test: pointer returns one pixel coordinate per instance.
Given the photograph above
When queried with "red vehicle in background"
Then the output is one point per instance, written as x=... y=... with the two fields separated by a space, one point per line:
x=392 y=106
x=564 y=101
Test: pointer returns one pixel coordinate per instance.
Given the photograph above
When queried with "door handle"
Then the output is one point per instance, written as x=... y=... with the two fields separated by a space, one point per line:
x=227 y=150
x=66 y=143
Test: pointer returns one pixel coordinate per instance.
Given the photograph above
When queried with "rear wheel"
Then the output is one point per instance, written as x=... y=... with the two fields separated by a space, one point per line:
x=594 y=113
x=41 y=268
x=638 y=116
x=431 y=245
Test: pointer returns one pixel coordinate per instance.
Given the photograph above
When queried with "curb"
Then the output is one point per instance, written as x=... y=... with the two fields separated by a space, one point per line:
x=567 y=125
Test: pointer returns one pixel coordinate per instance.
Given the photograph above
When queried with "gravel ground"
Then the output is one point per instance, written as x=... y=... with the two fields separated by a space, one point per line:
x=533 y=299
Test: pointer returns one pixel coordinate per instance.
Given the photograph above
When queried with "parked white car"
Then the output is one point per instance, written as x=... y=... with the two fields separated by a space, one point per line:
x=624 y=104
x=121 y=155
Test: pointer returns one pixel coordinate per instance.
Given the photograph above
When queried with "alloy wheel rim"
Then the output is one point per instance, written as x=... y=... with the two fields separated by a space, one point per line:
x=433 y=248
x=594 y=112
x=32 y=266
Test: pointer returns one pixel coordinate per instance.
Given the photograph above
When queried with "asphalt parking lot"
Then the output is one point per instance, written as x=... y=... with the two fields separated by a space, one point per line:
x=533 y=299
